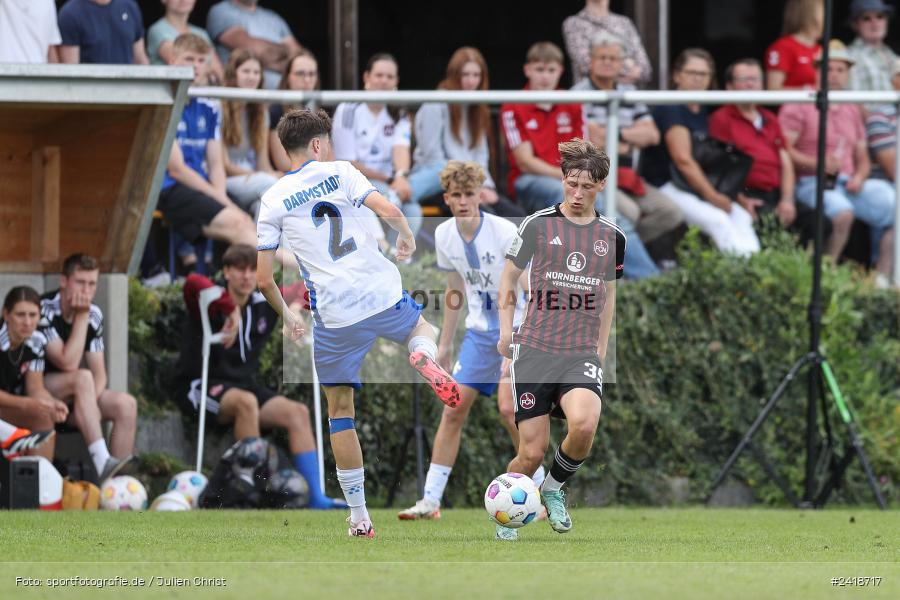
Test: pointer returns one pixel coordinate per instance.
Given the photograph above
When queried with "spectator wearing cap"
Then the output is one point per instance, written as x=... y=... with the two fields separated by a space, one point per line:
x=853 y=192
x=789 y=61
x=881 y=132
x=874 y=58
x=755 y=131
x=102 y=32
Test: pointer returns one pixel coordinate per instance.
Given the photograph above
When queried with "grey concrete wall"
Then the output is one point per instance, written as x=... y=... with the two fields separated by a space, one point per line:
x=112 y=298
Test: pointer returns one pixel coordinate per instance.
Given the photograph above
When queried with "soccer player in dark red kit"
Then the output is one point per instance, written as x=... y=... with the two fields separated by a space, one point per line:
x=576 y=255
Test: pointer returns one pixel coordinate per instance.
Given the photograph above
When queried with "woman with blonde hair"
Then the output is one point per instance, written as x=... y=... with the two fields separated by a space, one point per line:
x=245 y=133
x=463 y=132
x=301 y=74
x=790 y=60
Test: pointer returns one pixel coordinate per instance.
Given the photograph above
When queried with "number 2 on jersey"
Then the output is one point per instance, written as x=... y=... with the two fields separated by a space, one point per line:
x=336 y=247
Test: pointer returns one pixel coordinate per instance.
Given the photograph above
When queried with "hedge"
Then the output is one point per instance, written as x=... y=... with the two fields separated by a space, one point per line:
x=698 y=351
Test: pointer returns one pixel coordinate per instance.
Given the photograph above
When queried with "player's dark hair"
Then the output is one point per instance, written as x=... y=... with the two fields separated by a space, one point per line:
x=298 y=127
x=582 y=155
x=239 y=256
x=22 y=293
x=746 y=62
x=79 y=262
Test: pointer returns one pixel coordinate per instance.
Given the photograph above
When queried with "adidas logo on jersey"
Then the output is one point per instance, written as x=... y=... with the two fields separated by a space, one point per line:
x=556 y=241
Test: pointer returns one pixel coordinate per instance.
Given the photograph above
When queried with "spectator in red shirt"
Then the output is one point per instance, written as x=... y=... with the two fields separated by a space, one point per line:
x=534 y=132
x=790 y=60
x=756 y=131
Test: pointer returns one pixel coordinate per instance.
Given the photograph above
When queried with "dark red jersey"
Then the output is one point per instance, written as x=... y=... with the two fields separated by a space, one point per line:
x=570 y=265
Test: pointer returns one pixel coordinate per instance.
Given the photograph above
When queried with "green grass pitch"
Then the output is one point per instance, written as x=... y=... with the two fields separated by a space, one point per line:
x=691 y=553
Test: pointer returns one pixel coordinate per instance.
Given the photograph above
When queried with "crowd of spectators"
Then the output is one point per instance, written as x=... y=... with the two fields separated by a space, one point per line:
x=227 y=154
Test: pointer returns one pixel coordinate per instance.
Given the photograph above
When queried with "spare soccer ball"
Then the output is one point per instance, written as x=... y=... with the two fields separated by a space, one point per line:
x=190 y=483
x=512 y=500
x=123 y=492
x=170 y=501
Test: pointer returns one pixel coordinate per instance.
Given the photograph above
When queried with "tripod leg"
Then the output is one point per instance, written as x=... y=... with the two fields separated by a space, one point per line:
x=419 y=431
x=773 y=475
x=856 y=442
x=399 y=461
x=763 y=414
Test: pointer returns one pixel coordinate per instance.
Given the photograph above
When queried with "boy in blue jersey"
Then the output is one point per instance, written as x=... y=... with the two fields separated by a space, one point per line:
x=355 y=292
x=469 y=247
x=192 y=197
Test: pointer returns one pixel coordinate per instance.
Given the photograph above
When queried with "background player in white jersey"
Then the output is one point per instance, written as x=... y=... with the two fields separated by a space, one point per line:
x=355 y=292
x=470 y=248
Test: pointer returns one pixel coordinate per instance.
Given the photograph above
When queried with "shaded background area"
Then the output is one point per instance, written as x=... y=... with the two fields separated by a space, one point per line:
x=423 y=35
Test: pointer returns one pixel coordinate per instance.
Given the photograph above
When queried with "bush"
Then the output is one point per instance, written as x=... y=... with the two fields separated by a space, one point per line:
x=699 y=350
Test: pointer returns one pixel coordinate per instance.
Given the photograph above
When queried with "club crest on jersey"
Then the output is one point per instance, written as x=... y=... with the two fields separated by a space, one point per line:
x=575 y=262
x=261 y=325
x=23 y=368
x=216 y=390
x=488 y=258
x=563 y=123
x=389 y=130
x=526 y=400
x=601 y=247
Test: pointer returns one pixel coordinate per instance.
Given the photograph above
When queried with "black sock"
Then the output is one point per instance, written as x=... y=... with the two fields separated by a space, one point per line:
x=563 y=466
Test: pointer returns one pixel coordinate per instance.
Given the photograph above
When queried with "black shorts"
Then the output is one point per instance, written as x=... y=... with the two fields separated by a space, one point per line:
x=187 y=210
x=540 y=379
x=189 y=396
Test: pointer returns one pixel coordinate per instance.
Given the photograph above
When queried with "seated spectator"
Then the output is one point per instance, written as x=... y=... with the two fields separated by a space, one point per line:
x=446 y=132
x=789 y=61
x=301 y=73
x=28 y=31
x=595 y=18
x=853 y=193
x=534 y=132
x=235 y=24
x=376 y=139
x=162 y=34
x=881 y=133
x=24 y=401
x=654 y=214
x=726 y=222
x=102 y=32
x=234 y=397
x=874 y=58
x=193 y=198
x=245 y=131
x=755 y=131
x=73 y=326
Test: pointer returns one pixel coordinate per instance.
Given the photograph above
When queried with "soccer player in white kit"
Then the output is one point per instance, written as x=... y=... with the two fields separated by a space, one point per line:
x=470 y=247
x=355 y=294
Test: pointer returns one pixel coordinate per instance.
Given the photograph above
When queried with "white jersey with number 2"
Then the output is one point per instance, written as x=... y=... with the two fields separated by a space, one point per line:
x=318 y=211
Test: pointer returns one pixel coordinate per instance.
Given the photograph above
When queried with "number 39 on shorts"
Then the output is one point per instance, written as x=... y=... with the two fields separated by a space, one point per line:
x=594 y=372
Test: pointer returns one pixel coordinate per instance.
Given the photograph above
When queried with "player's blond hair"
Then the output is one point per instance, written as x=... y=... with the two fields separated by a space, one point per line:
x=581 y=155
x=190 y=42
x=467 y=175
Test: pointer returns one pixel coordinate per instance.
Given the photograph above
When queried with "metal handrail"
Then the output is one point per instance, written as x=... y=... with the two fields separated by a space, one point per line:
x=612 y=98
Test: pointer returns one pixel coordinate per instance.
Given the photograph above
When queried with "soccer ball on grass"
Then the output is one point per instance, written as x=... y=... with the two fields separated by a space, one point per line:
x=123 y=492
x=512 y=500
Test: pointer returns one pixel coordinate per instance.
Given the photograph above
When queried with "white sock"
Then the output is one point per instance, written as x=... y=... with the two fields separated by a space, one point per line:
x=420 y=343
x=550 y=484
x=436 y=481
x=353 y=484
x=538 y=477
x=99 y=454
x=6 y=430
